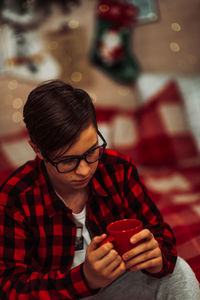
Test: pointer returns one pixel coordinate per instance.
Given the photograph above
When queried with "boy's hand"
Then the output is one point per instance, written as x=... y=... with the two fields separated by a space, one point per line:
x=102 y=264
x=146 y=255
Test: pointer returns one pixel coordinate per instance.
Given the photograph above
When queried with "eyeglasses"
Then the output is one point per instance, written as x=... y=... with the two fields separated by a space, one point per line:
x=71 y=163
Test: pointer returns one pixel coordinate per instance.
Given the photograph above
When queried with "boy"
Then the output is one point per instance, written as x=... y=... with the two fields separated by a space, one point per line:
x=54 y=211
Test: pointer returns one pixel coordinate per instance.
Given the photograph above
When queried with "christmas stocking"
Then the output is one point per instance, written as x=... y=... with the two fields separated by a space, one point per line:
x=111 y=47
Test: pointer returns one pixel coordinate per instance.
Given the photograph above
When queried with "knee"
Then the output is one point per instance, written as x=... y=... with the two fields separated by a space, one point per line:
x=183 y=269
x=181 y=284
x=185 y=275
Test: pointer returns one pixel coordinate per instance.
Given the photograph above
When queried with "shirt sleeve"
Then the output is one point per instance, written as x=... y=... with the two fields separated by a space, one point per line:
x=139 y=201
x=21 y=277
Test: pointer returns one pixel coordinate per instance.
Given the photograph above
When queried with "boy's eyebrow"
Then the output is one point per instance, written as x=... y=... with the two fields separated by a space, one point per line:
x=92 y=146
x=72 y=156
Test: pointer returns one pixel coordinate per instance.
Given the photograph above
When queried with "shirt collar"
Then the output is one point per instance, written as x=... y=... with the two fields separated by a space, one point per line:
x=52 y=202
x=96 y=188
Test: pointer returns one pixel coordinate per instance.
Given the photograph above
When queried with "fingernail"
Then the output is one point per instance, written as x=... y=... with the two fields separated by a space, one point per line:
x=133 y=240
x=125 y=256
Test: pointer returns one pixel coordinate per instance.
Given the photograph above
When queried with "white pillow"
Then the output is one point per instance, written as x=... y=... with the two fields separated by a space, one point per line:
x=149 y=83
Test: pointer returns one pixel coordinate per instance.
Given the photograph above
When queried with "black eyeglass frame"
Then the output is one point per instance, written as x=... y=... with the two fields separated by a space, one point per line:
x=80 y=157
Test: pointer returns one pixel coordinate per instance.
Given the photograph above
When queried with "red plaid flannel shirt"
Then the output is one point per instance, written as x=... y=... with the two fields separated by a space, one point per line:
x=37 y=233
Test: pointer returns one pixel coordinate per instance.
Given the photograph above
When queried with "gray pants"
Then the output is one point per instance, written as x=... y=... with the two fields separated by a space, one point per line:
x=180 y=285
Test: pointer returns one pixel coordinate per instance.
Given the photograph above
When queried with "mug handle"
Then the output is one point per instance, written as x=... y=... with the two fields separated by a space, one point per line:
x=107 y=239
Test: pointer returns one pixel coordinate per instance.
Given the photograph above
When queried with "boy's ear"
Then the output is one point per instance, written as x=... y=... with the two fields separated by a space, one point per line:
x=35 y=149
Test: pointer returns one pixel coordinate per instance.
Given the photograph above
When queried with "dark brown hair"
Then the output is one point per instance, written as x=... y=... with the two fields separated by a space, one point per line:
x=55 y=114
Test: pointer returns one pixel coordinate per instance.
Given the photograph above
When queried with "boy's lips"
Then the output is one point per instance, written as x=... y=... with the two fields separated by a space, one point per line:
x=82 y=181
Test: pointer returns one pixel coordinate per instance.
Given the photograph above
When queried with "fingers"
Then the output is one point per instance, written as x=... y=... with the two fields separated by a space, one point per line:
x=112 y=260
x=95 y=242
x=153 y=266
x=102 y=265
x=109 y=263
x=145 y=255
x=142 y=235
x=97 y=254
x=146 y=242
x=144 y=258
x=120 y=269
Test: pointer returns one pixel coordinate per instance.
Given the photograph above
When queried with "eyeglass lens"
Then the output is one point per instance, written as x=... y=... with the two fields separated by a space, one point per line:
x=70 y=164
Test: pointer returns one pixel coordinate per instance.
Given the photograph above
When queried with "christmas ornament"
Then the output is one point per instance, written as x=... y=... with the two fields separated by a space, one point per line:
x=113 y=34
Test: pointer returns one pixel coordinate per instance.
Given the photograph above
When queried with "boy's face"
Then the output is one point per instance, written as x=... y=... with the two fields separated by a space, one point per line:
x=80 y=177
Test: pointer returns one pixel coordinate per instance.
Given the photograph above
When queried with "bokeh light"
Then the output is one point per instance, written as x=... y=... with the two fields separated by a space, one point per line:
x=12 y=84
x=76 y=76
x=174 y=47
x=17 y=117
x=17 y=103
x=176 y=26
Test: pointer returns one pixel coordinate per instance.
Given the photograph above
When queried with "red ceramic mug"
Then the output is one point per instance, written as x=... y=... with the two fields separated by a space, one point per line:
x=120 y=232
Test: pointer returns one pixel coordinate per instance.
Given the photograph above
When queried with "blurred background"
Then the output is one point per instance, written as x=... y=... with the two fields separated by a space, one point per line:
x=121 y=52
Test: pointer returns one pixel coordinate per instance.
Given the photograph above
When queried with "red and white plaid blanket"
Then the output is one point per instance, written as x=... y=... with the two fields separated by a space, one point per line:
x=176 y=192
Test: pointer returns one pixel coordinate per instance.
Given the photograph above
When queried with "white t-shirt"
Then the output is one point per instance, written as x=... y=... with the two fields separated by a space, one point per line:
x=82 y=238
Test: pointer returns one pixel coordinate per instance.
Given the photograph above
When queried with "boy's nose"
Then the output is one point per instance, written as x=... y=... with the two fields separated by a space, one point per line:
x=83 y=168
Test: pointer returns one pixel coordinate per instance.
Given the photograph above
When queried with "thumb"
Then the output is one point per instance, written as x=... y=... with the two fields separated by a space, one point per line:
x=95 y=242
